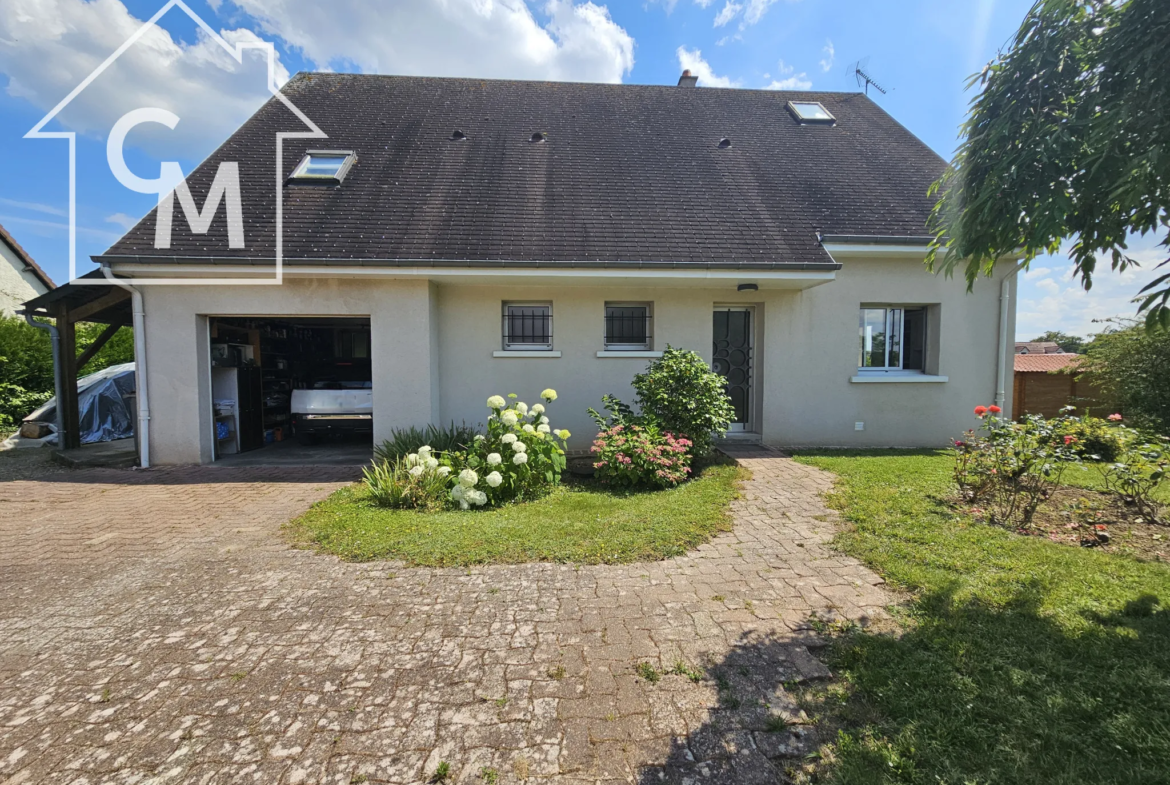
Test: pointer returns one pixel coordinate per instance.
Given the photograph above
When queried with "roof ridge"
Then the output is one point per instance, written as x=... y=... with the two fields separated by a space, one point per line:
x=35 y=268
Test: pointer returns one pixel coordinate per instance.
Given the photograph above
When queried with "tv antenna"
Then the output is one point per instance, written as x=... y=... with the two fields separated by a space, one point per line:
x=863 y=77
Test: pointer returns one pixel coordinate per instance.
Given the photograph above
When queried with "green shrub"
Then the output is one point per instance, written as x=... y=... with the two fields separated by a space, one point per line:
x=678 y=394
x=444 y=439
x=1095 y=438
x=634 y=455
x=418 y=481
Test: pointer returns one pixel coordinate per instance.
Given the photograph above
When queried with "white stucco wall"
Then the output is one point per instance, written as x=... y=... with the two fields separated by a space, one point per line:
x=17 y=285
x=432 y=346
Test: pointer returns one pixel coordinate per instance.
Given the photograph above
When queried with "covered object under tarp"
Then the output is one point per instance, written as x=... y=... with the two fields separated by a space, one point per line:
x=105 y=412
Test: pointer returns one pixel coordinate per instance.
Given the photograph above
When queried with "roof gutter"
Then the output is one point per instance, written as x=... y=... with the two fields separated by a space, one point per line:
x=472 y=264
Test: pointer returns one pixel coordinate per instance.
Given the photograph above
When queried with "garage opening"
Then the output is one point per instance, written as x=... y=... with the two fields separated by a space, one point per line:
x=291 y=391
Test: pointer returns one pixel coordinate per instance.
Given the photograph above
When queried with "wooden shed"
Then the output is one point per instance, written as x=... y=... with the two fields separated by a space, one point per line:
x=1044 y=385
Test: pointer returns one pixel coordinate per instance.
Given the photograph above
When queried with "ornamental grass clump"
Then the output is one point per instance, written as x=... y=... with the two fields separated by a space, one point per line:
x=417 y=481
x=636 y=455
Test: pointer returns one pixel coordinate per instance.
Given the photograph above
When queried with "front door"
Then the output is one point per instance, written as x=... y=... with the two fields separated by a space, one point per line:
x=732 y=359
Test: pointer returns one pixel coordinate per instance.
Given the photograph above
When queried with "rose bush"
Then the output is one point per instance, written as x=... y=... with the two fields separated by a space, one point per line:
x=636 y=455
x=1013 y=466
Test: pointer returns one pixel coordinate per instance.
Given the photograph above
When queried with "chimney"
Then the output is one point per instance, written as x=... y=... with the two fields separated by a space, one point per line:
x=686 y=80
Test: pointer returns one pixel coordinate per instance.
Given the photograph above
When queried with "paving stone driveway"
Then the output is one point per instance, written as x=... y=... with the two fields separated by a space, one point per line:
x=156 y=627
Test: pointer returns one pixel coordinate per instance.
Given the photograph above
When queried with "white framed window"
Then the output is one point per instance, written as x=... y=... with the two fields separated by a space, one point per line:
x=527 y=327
x=628 y=327
x=892 y=338
x=324 y=166
x=811 y=113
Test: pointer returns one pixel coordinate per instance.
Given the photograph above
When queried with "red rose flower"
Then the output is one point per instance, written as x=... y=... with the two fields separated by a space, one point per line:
x=980 y=411
x=994 y=409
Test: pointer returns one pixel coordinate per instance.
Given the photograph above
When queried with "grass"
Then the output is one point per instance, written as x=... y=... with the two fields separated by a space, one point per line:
x=579 y=522
x=1019 y=660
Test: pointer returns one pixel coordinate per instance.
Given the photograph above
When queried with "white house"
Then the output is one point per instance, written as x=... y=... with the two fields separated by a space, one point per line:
x=21 y=278
x=457 y=238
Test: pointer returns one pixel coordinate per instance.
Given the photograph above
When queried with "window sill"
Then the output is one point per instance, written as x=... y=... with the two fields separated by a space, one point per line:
x=517 y=353
x=897 y=378
x=642 y=353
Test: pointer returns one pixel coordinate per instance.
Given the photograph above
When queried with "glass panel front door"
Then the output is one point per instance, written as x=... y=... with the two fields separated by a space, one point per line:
x=732 y=359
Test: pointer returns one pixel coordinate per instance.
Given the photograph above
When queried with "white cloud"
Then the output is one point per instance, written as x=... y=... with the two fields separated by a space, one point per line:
x=50 y=46
x=703 y=3
x=127 y=222
x=692 y=60
x=755 y=11
x=35 y=207
x=476 y=38
x=728 y=39
x=830 y=55
x=729 y=11
x=790 y=80
x=1050 y=298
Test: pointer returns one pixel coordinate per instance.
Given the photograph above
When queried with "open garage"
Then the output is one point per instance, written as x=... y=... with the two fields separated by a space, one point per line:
x=290 y=390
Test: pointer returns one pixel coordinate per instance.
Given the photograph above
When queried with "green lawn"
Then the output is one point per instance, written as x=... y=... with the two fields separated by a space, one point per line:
x=1020 y=660
x=579 y=522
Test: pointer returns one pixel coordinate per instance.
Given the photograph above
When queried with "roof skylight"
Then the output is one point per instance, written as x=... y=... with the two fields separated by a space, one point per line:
x=324 y=166
x=810 y=112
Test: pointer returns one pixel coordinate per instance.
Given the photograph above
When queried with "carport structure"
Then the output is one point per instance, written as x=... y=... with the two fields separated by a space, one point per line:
x=89 y=299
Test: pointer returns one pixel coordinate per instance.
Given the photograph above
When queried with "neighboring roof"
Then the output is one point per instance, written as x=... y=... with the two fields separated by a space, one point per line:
x=1044 y=363
x=1038 y=347
x=23 y=256
x=628 y=173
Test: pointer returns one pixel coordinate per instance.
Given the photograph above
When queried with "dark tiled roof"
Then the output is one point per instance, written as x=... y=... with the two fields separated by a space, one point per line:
x=23 y=256
x=629 y=173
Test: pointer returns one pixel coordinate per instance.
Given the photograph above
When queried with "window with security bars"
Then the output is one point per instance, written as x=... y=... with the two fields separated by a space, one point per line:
x=627 y=327
x=527 y=327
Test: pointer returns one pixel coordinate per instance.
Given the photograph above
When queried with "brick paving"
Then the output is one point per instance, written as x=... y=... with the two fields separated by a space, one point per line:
x=156 y=627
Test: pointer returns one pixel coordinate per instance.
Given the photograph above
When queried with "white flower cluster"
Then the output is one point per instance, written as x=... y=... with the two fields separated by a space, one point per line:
x=465 y=492
x=425 y=460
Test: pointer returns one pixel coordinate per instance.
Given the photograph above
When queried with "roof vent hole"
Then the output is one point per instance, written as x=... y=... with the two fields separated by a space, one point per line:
x=458 y=136
x=539 y=136
x=724 y=143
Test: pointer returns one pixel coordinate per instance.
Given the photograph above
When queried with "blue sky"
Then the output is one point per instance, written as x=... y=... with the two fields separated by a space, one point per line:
x=922 y=50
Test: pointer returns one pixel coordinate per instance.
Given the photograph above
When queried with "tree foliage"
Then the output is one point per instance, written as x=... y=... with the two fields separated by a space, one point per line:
x=1067 y=343
x=1132 y=367
x=1067 y=139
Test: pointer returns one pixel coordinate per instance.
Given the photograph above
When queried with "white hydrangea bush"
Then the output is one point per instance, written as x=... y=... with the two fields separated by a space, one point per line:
x=520 y=457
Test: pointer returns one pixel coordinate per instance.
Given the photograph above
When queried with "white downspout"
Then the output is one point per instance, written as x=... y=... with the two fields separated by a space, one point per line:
x=141 y=389
x=1001 y=371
